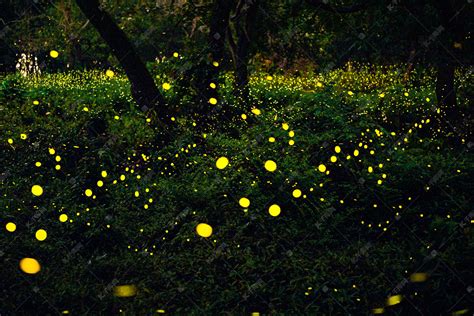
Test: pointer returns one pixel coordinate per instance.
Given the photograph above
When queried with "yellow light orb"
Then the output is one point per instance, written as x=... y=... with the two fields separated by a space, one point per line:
x=244 y=202
x=109 y=73
x=63 y=218
x=166 y=86
x=213 y=101
x=53 y=54
x=297 y=193
x=88 y=192
x=333 y=159
x=270 y=165
x=274 y=210
x=222 y=162
x=11 y=227
x=125 y=290
x=30 y=265
x=37 y=190
x=212 y=85
x=322 y=168
x=41 y=234
x=337 y=149
x=100 y=183
x=204 y=230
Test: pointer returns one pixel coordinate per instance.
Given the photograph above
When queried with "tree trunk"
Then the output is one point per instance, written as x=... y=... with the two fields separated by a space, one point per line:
x=244 y=29
x=143 y=87
x=219 y=26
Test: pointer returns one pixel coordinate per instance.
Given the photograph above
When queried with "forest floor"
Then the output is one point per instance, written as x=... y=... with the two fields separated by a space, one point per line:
x=336 y=194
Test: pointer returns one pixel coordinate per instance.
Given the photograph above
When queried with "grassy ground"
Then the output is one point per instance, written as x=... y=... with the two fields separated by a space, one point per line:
x=374 y=195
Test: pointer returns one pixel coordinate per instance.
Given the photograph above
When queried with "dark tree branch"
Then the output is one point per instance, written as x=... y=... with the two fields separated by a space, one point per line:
x=143 y=87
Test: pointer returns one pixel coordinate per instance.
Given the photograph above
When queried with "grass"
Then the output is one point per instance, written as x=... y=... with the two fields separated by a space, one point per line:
x=395 y=203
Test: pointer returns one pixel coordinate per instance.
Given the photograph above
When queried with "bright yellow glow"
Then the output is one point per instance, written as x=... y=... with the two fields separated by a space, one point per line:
x=166 y=86
x=41 y=234
x=88 y=192
x=322 y=168
x=100 y=183
x=37 y=190
x=356 y=153
x=125 y=290
x=53 y=54
x=333 y=159
x=222 y=162
x=285 y=126
x=256 y=111
x=109 y=73
x=63 y=218
x=270 y=165
x=204 y=230
x=30 y=265
x=213 y=101
x=11 y=227
x=394 y=300
x=297 y=193
x=212 y=85
x=244 y=202
x=274 y=210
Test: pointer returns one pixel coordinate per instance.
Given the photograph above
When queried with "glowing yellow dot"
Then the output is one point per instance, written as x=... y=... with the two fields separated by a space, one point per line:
x=88 y=192
x=270 y=165
x=116 y=117
x=122 y=177
x=222 y=162
x=63 y=218
x=57 y=167
x=356 y=153
x=204 y=230
x=38 y=164
x=271 y=139
x=297 y=193
x=175 y=54
x=215 y=64
x=285 y=126
x=51 y=151
x=36 y=102
x=244 y=202
x=30 y=265
x=41 y=234
x=100 y=183
x=269 y=78
x=350 y=93
x=337 y=149
x=274 y=210
x=291 y=133
x=382 y=95
x=213 y=101
x=11 y=227
x=36 y=190
x=394 y=300
x=244 y=116
x=109 y=73
x=418 y=277
x=333 y=159
x=85 y=109
x=53 y=54
x=103 y=174
x=291 y=142
x=166 y=86
x=23 y=136
x=125 y=290
x=370 y=169
x=10 y=141
x=256 y=111
x=212 y=85
x=322 y=168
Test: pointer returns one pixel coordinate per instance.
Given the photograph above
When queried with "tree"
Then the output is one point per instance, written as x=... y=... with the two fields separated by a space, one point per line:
x=143 y=87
